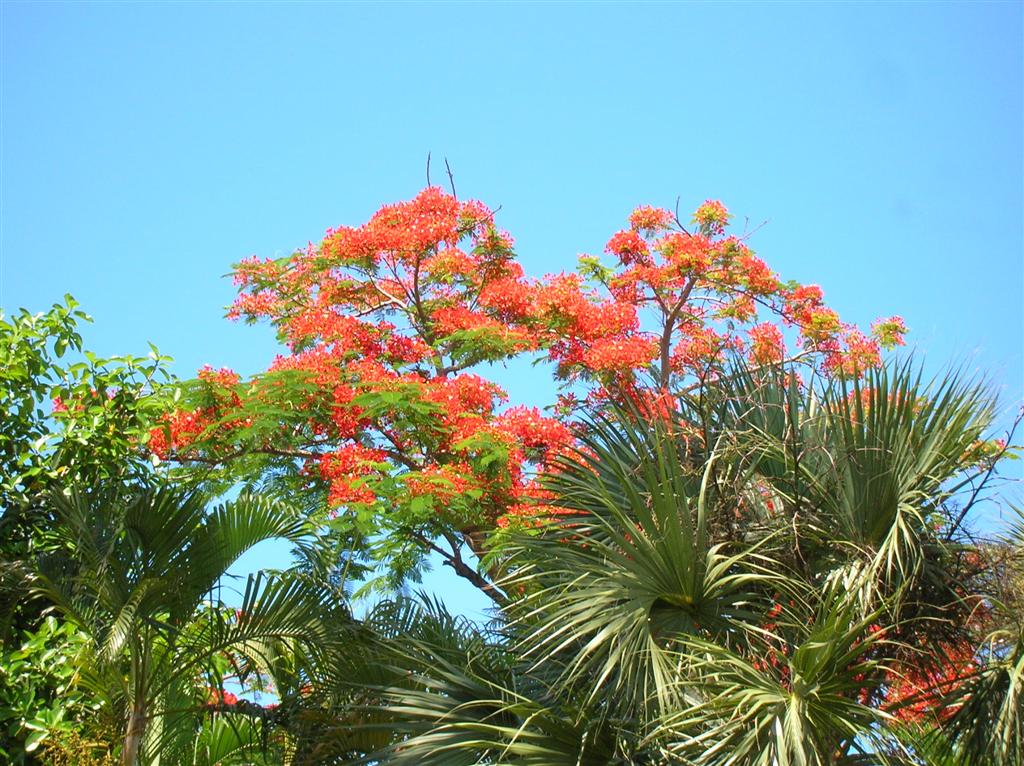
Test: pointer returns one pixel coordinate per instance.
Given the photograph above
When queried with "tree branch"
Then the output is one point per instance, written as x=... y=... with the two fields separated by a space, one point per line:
x=454 y=560
x=666 y=334
x=451 y=178
x=986 y=476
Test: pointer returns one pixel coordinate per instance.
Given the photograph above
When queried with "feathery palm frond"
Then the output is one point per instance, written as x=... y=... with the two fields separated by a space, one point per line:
x=136 y=570
x=457 y=695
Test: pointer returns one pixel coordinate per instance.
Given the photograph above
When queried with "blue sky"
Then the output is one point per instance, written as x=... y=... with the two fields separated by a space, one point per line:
x=146 y=147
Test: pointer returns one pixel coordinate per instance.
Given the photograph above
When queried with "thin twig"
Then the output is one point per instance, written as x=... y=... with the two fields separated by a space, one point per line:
x=679 y=223
x=986 y=476
x=451 y=178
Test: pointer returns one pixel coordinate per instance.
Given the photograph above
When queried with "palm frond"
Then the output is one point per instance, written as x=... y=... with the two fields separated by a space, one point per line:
x=798 y=701
x=898 y=441
x=630 y=567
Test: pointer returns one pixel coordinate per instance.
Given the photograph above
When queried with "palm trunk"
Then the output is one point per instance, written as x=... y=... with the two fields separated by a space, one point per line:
x=136 y=728
x=134 y=733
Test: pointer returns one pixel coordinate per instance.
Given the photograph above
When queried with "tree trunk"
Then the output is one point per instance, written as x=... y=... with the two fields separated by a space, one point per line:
x=134 y=733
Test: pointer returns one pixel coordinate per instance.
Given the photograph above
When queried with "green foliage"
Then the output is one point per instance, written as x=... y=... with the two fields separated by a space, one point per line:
x=68 y=417
x=73 y=749
x=110 y=404
x=31 y=346
x=637 y=561
x=995 y=694
x=798 y=702
x=227 y=740
x=38 y=694
x=137 y=571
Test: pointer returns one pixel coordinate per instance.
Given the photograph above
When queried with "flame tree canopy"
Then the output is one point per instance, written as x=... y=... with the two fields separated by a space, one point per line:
x=380 y=403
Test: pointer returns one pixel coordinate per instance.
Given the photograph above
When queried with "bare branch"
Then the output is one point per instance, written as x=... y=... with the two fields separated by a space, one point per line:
x=451 y=178
x=390 y=298
x=679 y=222
x=453 y=559
x=986 y=476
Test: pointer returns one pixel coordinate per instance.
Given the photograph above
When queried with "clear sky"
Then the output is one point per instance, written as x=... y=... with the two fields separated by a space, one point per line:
x=145 y=147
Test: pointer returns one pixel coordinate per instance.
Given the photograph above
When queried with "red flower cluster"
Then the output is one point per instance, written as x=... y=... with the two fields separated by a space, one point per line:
x=915 y=695
x=889 y=332
x=180 y=430
x=209 y=424
x=630 y=248
x=533 y=431
x=712 y=217
x=698 y=349
x=346 y=469
x=221 y=377
x=221 y=697
x=766 y=344
x=650 y=220
x=861 y=353
x=463 y=394
x=444 y=483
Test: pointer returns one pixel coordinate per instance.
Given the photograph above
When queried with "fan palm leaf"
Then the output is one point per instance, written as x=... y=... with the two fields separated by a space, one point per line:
x=629 y=566
x=798 y=701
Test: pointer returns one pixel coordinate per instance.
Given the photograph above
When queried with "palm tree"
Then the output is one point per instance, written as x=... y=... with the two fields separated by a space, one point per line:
x=995 y=694
x=748 y=582
x=139 y=571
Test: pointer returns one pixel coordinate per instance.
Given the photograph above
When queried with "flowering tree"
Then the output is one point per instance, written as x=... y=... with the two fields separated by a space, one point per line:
x=379 y=403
